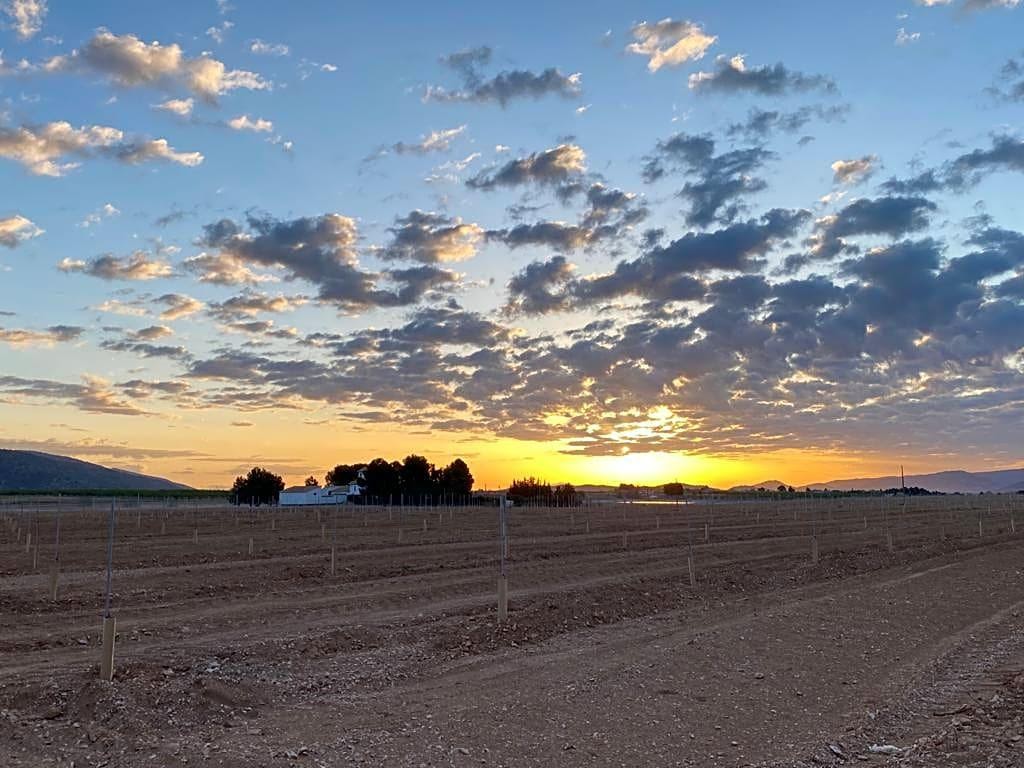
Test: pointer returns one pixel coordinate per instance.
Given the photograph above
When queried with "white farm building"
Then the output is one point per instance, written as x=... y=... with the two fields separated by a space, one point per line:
x=307 y=496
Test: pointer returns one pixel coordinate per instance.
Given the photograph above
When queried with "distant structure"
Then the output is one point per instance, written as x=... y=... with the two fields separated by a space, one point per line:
x=309 y=496
x=903 y=479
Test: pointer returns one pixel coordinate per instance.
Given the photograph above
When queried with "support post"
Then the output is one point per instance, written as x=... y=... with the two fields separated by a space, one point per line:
x=503 y=566
x=107 y=660
x=109 y=622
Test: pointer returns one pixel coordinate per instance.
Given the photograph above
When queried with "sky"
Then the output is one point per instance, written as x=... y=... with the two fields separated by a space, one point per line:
x=707 y=242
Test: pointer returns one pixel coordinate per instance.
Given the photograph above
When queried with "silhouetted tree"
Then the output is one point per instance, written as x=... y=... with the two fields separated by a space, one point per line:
x=456 y=480
x=259 y=486
x=528 y=490
x=383 y=479
x=343 y=474
x=674 y=489
x=417 y=475
x=312 y=482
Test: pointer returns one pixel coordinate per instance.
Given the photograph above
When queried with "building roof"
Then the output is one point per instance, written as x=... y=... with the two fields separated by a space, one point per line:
x=301 y=489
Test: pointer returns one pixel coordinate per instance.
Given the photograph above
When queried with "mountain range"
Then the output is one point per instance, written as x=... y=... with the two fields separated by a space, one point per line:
x=951 y=481
x=37 y=471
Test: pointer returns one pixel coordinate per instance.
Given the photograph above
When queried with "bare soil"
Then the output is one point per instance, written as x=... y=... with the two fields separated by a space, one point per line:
x=610 y=657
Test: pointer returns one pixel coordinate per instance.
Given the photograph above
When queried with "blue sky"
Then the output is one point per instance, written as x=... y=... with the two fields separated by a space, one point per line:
x=339 y=97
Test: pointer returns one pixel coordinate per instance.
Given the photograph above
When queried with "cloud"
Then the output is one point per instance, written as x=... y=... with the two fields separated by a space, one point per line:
x=854 y=171
x=55 y=334
x=550 y=167
x=731 y=75
x=129 y=62
x=669 y=43
x=319 y=250
x=178 y=306
x=118 y=307
x=179 y=107
x=1011 y=73
x=14 y=230
x=906 y=38
x=245 y=123
x=105 y=212
x=435 y=141
x=665 y=273
x=43 y=149
x=224 y=269
x=760 y=123
x=965 y=171
x=93 y=395
x=26 y=16
x=503 y=87
x=722 y=180
x=219 y=32
x=152 y=333
x=890 y=216
x=251 y=303
x=263 y=48
x=96 y=396
x=540 y=287
x=137 y=266
x=610 y=213
x=984 y=5
x=430 y=238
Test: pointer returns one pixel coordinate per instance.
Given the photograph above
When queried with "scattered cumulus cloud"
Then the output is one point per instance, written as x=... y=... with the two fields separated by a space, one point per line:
x=246 y=123
x=551 y=167
x=106 y=211
x=502 y=87
x=138 y=266
x=48 y=337
x=14 y=230
x=179 y=107
x=43 y=149
x=732 y=75
x=263 y=48
x=431 y=238
x=854 y=171
x=129 y=62
x=26 y=16
x=906 y=38
x=669 y=43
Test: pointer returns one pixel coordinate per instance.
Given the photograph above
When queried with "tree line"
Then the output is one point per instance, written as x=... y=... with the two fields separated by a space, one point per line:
x=414 y=480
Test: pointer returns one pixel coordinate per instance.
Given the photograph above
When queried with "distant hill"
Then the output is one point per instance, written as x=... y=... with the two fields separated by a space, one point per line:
x=953 y=481
x=769 y=485
x=35 y=471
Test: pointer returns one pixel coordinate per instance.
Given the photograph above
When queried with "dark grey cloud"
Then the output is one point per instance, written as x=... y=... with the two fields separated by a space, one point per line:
x=539 y=288
x=722 y=181
x=431 y=238
x=146 y=349
x=960 y=174
x=138 y=266
x=760 y=124
x=665 y=273
x=319 y=250
x=610 y=213
x=250 y=303
x=890 y=216
x=503 y=87
x=93 y=395
x=55 y=334
x=1010 y=84
x=551 y=167
x=732 y=75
